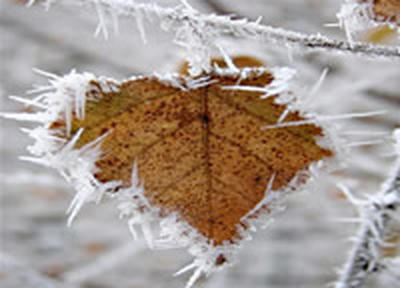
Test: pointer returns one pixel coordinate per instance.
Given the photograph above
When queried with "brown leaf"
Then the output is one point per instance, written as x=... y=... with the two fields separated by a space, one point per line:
x=199 y=152
x=386 y=10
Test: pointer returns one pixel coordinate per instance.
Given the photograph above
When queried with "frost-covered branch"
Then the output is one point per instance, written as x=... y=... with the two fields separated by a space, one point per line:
x=188 y=22
x=376 y=216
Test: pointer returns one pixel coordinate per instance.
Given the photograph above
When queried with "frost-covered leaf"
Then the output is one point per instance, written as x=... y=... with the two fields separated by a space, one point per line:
x=190 y=154
x=200 y=152
x=385 y=10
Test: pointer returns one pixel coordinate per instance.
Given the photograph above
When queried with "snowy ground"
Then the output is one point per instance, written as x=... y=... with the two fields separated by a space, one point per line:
x=302 y=248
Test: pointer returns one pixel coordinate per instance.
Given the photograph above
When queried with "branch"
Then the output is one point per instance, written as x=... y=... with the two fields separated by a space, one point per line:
x=377 y=215
x=239 y=28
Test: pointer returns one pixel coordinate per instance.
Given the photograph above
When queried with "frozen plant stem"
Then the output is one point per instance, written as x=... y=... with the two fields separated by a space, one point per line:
x=239 y=28
x=376 y=217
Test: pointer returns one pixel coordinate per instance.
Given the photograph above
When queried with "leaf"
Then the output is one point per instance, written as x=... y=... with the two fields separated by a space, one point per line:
x=381 y=34
x=386 y=10
x=200 y=151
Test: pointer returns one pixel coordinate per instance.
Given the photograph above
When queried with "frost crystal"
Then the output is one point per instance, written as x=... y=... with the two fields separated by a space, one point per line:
x=356 y=15
x=59 y=101
x=192 y=33
x=280 y=85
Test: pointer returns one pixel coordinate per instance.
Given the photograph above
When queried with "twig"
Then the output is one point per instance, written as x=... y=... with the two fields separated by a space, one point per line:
x=240 y=28
x=376 y=217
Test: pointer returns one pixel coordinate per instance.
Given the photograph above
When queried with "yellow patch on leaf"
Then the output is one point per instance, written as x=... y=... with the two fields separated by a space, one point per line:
x=381 y=34
x=199 y=152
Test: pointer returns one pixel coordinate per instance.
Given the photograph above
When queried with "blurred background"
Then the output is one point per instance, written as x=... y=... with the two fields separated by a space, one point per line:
x=303 y=247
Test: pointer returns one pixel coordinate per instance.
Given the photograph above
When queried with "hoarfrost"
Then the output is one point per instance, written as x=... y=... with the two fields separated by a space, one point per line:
x=65 y=98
